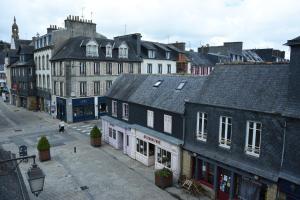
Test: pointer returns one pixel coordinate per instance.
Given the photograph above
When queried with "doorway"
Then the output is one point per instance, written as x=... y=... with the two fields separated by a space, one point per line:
x=120 y=140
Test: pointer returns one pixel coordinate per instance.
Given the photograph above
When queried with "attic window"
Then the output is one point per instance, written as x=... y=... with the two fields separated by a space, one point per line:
x=181 y=85
x=157 y=83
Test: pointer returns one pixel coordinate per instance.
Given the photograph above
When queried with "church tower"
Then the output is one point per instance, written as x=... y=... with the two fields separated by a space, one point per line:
x=14 y=34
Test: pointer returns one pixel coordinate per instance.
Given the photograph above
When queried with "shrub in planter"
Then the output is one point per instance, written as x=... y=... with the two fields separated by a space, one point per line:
x=44 y=149
x=163 y=178
x=95 y=136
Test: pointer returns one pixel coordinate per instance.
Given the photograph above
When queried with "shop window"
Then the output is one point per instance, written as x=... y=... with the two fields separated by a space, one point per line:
x=141 y=147
x=253 y=138
x=201 y=129
x=225 y=132
x=150 y=118
x=110 y=132
x=114 y=108
x=167 y=123
x=206 y=172
x=164 y=157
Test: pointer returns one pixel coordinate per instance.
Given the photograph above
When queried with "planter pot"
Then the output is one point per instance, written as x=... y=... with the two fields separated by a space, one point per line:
x=163 y=182
x=44 y=155
x=96 y=142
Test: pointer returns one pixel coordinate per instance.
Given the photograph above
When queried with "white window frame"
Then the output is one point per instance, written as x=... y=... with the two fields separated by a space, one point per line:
x=252 y=149
x=150 y=118
x=114 y=108
x=168 y=123
x=161 y=154
x=201 y=134
x=125 y=112
x=168 y=55
x=225 y=143
x=108 y=50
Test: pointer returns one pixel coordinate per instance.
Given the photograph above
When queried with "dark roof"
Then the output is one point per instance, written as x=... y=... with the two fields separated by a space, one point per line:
x=74 y=48
x=198 y=59
x=11 y=182
x=19 y=42
x=140 y=89
x=26 y=49
x=160 y=50
x=251 y=56
x=259 y=87
x=295 y=41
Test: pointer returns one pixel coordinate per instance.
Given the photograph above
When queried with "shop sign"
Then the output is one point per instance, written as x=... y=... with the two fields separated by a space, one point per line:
x=152 y=139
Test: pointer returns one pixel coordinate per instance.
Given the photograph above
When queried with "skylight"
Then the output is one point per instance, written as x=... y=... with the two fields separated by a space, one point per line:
x=181 y=85
x=157 y=83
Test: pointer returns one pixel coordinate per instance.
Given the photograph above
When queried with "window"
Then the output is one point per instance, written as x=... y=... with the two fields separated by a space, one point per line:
x=43 y=62
x=181 y=85
x=149 y=68
x=120 y=68
x=61 y=89
x=157 y=83
x=54 y=88
x=110 y=132
x=53 y=69
x=44 y=81
x=97 y=88
x=139 y=68
x=167 y=55
x=225 y=132
x=114 y=108
x=160 y=68
x=206 y=171
x=130 y=70
x=108 y=68
x=48 y=81
x=253 y=138
x=47 y=61
x=125 y=111
x=108 y=50
x=92 y=49
x=96 y=68
x=61 y=68
x=151 y=53
x=201 y=130
x=167 y=123
x=127 y=140
x=114 y=134
x=164 y=157
x=169 y=68
x=123 y=51
x=150 y=118
x=141 y=147
x=82 y=68
x=39 y=62
x=108 y=84
x=82 y=86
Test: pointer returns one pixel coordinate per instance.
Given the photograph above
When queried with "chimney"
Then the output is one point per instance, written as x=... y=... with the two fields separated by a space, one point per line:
x=294 y=75
x=179 y=45
x=204 y=49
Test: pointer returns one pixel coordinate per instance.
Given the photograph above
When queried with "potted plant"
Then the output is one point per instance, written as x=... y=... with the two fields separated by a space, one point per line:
x=95 y=137
x=163 y=178
x=44 y=149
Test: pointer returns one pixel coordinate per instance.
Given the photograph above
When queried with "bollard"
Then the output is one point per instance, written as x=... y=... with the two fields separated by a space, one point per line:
x=74 y=149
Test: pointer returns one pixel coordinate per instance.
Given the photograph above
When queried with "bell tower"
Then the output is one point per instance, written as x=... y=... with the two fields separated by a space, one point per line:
x=15 y=30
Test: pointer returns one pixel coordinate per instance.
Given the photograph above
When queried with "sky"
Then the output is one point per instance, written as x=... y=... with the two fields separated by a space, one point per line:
x=258 y=23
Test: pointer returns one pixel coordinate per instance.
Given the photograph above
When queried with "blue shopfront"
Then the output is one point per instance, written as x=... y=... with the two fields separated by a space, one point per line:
x=83 y=109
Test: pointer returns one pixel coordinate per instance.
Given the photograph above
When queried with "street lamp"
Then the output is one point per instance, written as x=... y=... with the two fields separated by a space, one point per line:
x=35 y=175
x=36 y=178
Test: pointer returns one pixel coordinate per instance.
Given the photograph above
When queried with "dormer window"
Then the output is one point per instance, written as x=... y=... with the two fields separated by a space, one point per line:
x=123 y=50
x=167 y=55
x=151 y=53
x=108 y=50
x=92 y=49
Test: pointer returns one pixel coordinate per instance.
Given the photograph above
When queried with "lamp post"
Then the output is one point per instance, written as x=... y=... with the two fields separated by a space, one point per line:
x=35 y=175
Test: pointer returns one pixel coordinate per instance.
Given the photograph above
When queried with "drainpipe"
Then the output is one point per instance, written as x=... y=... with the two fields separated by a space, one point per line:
x=283 y=145
x=183 y=138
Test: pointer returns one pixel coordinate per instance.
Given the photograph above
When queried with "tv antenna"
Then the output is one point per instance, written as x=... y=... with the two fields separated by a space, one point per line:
x=82 y=9
x=125 y=29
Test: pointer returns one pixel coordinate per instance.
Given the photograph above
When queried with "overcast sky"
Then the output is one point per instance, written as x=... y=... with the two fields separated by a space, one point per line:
x=258 y=23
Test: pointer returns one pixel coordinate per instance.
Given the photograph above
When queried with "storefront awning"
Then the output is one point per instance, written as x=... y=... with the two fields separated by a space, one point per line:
x=157 y=134
x=115 y=122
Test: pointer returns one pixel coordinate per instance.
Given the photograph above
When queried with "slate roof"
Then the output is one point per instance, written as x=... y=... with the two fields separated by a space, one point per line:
x=199 y=59
x=74 y=48
x=11 y=186
x=139 y=89
x=259 y=87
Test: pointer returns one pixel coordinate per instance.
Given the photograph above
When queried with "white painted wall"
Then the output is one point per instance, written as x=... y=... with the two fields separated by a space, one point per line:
x=155 y=63
x=42 y=71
